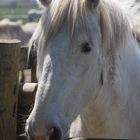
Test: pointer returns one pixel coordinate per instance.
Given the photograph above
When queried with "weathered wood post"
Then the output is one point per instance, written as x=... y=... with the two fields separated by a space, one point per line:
x=9 y=73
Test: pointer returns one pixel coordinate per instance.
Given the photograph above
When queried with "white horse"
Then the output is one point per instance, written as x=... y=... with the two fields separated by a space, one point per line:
x=88 y=70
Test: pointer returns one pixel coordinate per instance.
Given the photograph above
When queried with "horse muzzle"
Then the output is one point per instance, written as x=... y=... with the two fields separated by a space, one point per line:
x=39 y=132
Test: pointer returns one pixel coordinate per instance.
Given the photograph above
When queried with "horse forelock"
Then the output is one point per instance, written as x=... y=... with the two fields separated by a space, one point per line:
x=62 y=12
x=114 y=20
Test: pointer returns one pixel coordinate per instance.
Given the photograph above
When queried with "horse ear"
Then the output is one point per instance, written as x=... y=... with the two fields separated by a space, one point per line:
x=93 y=3
x=44 y=2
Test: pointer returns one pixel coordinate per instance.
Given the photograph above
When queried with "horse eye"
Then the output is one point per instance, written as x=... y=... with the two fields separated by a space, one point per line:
x=85 y=48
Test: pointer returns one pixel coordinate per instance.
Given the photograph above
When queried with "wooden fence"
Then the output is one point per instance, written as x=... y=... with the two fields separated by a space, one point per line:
x=9 y=69
x=13 y=94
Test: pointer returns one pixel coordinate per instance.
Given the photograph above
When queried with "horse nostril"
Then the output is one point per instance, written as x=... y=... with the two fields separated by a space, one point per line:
x=55 y=134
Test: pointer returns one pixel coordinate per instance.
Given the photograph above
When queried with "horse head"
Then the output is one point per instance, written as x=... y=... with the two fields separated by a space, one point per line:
x=75 y=40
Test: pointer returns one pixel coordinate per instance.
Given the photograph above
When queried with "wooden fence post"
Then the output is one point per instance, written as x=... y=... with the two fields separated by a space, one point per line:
x=9 y=73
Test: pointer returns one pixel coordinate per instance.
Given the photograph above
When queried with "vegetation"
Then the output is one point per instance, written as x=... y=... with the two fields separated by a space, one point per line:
x=15 y=12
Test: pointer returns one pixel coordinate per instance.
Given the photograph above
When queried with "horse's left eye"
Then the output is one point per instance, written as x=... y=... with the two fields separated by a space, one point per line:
x=85 y=47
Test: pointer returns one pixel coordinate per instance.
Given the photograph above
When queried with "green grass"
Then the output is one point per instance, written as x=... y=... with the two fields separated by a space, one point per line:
x=19 y=12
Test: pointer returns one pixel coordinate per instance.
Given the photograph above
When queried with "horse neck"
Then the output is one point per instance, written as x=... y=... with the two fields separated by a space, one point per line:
x=107 y=116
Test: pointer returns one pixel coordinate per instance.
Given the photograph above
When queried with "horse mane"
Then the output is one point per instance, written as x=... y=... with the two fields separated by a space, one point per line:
x=117 y=19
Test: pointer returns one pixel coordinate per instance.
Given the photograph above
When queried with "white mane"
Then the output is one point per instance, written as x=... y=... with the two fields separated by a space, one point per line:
x=132 y=9
x=117 y=18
